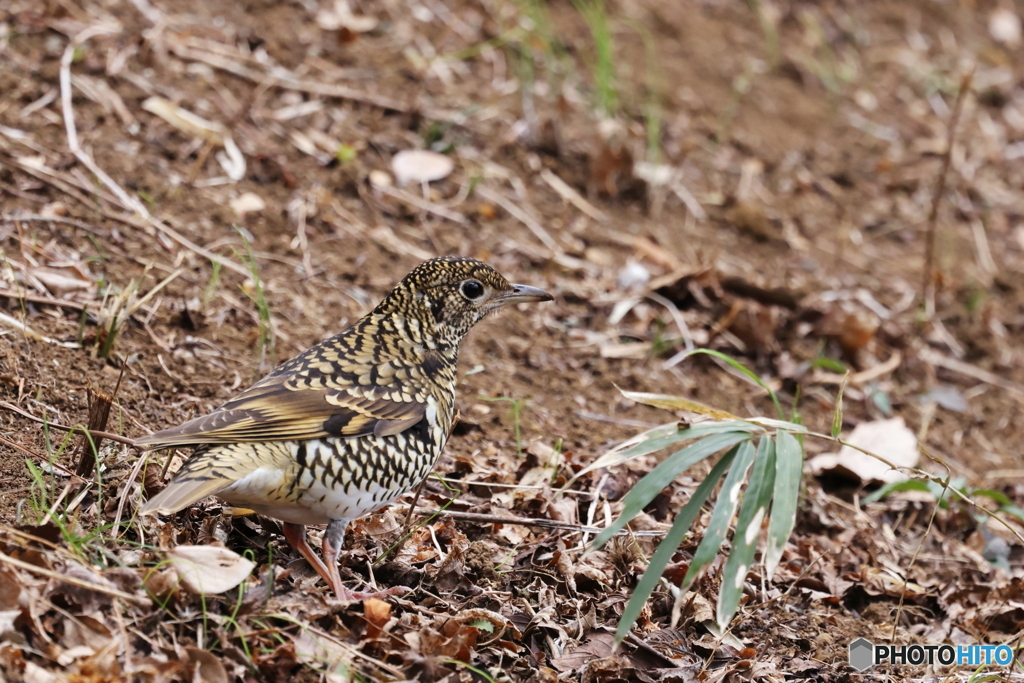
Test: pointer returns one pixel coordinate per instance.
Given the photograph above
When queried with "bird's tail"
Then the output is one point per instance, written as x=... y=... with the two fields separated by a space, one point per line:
x=209 y=470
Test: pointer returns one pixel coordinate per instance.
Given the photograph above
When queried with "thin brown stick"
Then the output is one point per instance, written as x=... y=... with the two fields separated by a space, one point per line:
x=127 y=201
x=530 y=521
x=148 y=224
x=935 y=358
x=423 y=204
x=32 y=454
x=36 y=218
x=54 y=425
x=289 y=81
x=928 y=283
x=521 y=215
x=49 y=573
x=36 y=299
x=412 y=505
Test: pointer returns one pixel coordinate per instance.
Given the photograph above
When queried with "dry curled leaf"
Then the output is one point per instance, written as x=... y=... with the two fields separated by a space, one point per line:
x=206 y=667
x=209 y=569
x=890 y=439
x=377 y=613
x=249 y=202
x=420 y=166
x=341 y=17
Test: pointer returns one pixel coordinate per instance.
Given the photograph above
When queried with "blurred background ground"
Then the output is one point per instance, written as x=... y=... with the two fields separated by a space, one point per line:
x=756 y=177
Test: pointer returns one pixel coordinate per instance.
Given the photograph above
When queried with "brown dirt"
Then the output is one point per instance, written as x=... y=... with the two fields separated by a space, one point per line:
x=817 y=177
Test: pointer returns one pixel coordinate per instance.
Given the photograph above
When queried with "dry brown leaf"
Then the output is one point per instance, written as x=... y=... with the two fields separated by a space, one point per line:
x=377 y=613
x=161 y=583
x=596 y=645
x=677 y=403
x=319 y=652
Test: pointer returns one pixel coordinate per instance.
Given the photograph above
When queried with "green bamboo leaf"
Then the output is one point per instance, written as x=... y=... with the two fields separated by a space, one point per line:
x=660 y=437
x=778 y=424
x=753 y=510
x=742 y=368
x=728 y=499
x=669 y=544
x=644 y=491
x=650 y=441
x=789 y=467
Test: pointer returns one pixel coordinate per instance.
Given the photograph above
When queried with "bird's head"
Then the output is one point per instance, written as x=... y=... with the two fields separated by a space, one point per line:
x=450 y=294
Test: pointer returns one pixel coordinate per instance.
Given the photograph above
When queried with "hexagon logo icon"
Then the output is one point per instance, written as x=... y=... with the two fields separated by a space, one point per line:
x=862 y=654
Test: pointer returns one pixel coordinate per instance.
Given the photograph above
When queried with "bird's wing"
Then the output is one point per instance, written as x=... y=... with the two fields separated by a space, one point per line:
x=304 y=405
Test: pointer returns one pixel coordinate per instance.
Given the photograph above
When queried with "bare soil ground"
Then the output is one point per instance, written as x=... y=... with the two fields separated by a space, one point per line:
x=780 y=215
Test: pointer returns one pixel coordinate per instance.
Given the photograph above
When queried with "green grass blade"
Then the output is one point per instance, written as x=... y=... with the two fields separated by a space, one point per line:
x=893 y=487
x=789 y=467
x=728 y=499
x=745 y=370
x=837 y=415
x=997 y=496
x=1014 y=510
x=753 y=510
x=661 y=476
x=668 y=546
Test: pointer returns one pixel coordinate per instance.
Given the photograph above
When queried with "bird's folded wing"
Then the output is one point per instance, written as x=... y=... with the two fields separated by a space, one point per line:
x=277 y=409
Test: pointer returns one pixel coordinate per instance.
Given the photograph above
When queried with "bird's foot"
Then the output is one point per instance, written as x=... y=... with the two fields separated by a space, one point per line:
x=345 y=595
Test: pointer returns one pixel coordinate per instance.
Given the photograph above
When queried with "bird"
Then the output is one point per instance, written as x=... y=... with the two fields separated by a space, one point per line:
x=349 y=425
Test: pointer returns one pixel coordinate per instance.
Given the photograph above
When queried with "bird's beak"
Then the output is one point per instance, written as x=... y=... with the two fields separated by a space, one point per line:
x=524 y=294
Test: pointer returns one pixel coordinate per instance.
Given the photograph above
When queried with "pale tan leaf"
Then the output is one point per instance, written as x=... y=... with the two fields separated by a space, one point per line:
x=59 y=282
x=890 y=439
x=207 y=667
x=186 y=121
x=248 y=202
x=319 y=651
x=1004 y=26
x=420 y=166
x=37 y=674
x=209 y=569
x=341 y=16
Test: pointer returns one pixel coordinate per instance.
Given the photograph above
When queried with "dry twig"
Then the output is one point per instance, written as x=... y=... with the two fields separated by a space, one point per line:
x=54 y=425
x=928 y=284
x=64 y=578
x=521 y=215
x=126 y=200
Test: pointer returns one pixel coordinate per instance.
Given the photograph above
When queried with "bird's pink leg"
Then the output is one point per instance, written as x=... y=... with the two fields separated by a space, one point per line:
x=333 y=539
x=295 y=534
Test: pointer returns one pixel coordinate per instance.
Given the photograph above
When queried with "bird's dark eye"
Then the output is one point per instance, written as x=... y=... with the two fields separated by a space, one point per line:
x=471 y=289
